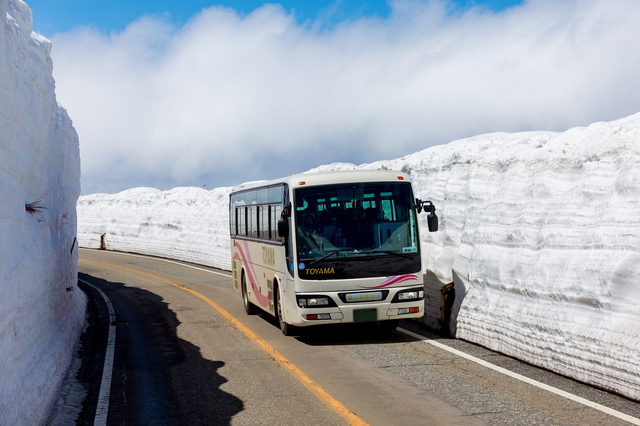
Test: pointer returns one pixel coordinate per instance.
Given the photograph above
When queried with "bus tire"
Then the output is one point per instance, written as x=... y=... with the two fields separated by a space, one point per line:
x=286 y=329
x=249 y=307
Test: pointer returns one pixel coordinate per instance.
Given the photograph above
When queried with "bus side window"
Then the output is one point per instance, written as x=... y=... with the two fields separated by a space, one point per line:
x=252 y=219
x=264 y=222
x=232 y=221
x=242 y=221
x=276 y=212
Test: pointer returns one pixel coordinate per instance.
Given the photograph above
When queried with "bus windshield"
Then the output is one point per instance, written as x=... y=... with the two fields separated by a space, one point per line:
x=354 y=221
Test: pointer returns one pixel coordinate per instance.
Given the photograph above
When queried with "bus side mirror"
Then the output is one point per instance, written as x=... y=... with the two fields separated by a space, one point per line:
x=428 y=207
x=283 y=223
x=283 y=228
x=432 y=222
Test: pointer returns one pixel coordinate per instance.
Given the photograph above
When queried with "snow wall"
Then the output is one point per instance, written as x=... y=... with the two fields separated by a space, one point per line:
x=41 y=308
x=539 y=231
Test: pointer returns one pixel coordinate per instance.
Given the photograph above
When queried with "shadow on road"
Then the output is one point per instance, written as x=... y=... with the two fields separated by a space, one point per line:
x=158 y=378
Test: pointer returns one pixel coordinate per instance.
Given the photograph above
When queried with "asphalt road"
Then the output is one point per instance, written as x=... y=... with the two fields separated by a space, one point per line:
x=186 y=353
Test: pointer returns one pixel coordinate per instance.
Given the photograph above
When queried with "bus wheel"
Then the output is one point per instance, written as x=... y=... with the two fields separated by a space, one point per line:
x=249 y=307
x=287 y=329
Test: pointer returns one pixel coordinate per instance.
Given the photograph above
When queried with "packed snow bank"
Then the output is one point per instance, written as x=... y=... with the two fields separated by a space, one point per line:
x=41 y=308
x=540 y=232
x=189 y=224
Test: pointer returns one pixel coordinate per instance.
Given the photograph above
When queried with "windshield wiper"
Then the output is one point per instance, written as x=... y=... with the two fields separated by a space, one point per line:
x=329 y=255
x=333 y=252
x=393 y=253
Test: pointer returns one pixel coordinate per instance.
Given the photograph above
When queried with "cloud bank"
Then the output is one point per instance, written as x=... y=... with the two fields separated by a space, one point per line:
x=228 y=98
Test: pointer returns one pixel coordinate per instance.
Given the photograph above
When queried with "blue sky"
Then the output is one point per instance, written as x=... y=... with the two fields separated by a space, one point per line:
x=189 y=93
x=51 y=16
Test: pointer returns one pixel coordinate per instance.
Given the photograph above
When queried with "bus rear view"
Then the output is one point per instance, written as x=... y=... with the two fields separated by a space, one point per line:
x=350 y=248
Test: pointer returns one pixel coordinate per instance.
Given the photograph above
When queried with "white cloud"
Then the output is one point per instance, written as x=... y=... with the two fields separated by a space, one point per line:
x=228 y=98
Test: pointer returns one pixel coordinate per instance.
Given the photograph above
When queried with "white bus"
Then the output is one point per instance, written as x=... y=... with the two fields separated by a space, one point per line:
x=329 y=248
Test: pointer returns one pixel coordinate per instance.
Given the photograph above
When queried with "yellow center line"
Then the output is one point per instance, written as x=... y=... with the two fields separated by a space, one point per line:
x=307 y=381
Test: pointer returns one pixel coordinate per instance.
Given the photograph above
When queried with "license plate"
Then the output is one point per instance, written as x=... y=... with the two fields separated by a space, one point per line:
x=365 y=315
x=364 y=297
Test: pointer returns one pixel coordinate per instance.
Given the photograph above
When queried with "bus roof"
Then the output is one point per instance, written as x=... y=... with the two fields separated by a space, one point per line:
x=323 y=178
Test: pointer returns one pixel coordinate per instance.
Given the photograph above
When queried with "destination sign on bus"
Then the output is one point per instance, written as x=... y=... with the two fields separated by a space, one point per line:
x=364 y=297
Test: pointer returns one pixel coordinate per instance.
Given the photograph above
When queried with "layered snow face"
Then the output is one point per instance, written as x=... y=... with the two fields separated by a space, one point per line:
x=539 y=231
x=190 y=224
x=41 y=308
x=541 y=234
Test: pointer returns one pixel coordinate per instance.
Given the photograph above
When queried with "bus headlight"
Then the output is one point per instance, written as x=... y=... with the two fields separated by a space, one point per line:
x=313 y=302
x=409 y=295
x=314 y=317
x=404 y=311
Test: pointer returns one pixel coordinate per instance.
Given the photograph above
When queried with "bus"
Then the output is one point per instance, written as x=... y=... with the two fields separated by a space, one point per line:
x=329 y=248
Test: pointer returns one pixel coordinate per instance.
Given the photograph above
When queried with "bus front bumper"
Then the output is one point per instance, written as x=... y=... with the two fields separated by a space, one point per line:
x=358 y=313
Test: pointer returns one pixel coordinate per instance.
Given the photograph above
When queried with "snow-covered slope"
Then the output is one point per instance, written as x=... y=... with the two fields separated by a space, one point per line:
x=41 y=308
x=540 y=232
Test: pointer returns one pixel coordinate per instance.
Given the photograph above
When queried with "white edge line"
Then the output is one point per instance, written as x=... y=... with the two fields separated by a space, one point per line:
x=522 y=378
x=163 y=260
x=102 y=409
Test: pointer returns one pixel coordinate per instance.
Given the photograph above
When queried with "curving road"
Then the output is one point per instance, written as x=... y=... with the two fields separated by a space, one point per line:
x=186 y=353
